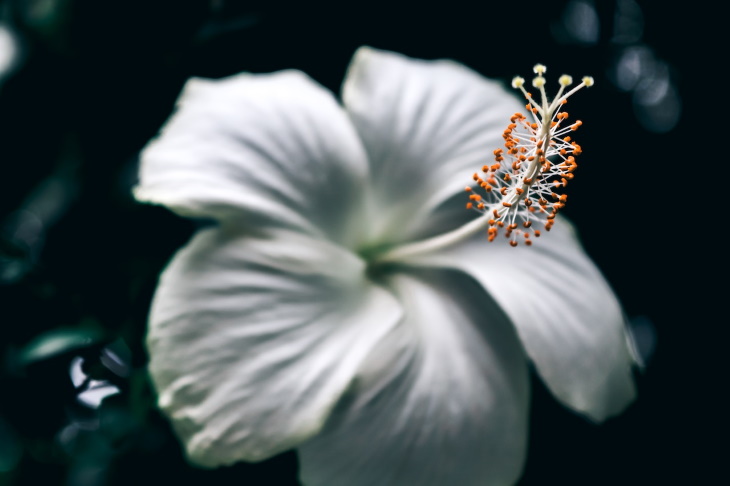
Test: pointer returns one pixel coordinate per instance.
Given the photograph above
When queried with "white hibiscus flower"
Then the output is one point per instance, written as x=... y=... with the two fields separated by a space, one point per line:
x=310 y=317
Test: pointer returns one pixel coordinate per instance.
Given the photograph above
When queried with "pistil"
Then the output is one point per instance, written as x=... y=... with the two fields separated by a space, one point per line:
x=512 y=194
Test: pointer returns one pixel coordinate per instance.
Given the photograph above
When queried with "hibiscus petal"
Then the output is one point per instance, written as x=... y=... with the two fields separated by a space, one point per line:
x=442 y=400
x=276 y=148
x=567 y=316
x=253 y=340
x=427 y=126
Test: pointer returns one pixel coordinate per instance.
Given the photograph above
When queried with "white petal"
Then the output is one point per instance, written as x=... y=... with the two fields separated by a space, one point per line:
x=567 y=316
x=442 y=401
x=274 y=147
x=253 y=340
x=427 y=127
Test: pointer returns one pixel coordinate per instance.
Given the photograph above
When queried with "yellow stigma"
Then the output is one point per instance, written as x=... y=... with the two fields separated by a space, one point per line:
x=518 y=82
x=538 y=82
x=565 y=80
x=539 y=69
x=588 y=81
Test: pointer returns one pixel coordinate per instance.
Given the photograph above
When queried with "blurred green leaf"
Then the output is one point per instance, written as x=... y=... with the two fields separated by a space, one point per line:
x=58 y=341
x=10 y=447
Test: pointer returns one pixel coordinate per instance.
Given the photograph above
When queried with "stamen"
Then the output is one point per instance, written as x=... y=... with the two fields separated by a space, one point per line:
x=539 y=159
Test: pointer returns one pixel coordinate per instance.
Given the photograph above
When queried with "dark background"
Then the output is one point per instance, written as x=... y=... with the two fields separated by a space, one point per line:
x=91 y=81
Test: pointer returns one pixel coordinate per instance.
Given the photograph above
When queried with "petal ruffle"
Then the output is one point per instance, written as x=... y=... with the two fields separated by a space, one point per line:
x=427 y=127
x=442 y=400
x=567 y=316
x=253 y=340
x=273 y=148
